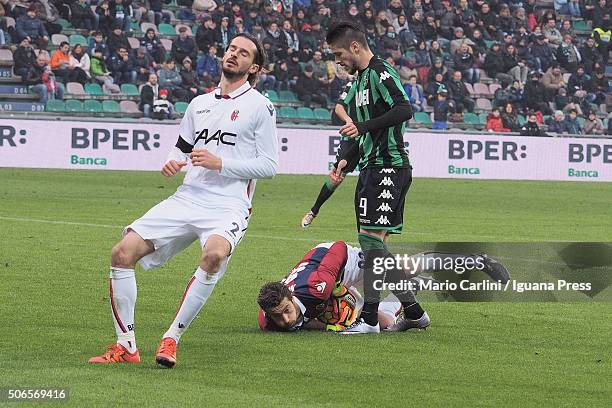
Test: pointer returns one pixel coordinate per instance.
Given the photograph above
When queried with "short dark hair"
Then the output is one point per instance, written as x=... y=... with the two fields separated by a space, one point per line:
x=259 y=58
x=272 y=294
x=343 y=33
x=64 y=43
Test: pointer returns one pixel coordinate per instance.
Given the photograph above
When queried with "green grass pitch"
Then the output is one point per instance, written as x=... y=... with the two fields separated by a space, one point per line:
x=57 y=229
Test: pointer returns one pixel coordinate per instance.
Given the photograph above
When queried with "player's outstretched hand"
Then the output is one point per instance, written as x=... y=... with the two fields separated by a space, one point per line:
x=349 y=130
x=337 y=173
x=204 y=158
x=172 y=167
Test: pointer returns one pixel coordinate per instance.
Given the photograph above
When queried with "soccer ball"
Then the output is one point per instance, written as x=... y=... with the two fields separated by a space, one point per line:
x=341 y=310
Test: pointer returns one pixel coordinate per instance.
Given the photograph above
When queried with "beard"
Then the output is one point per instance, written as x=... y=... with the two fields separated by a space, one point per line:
x=233 y=74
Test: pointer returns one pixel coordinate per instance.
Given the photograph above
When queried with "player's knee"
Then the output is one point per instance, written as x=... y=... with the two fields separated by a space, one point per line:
x=121 y=257
x=211 y=260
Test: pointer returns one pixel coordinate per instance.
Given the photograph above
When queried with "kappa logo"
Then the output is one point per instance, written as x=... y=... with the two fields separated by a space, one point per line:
x=387 y=171
x=181 y=326
x=384 y=75
x=270 y=109
x=234 y=115
x=320 y=287
x=386 y=181
x=383 y=220
x=386 y=194
x=384 y=207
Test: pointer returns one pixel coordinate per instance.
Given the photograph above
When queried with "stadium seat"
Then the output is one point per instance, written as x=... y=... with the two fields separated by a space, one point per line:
x=181 y=107
x=145 y=26
x=92 y=106
x=78 y=39
x=272 y=96
x=64 y=23
x=129 y=90
x=287 y=96
x=134 y=43
x=305 y=113
x=470 y=89
x=489 y=43
x=322 y=114
x=178 y=26
x=481 y=89
x=521 y=120
x=166 y=29
x=129 y=107
x=94 y=89
x=482 y=118
x=566 y=77
x=57 y=39
x=110 y=107
x=10 y=22
x=74 y=106
x=167 y=44
x=580 y=26
x=6 y=57
x=55 y=105
x=287 y=112
x=75 y=88
x=484 y=104
x=422 y=118
x=471 y=118
x=493 y=88
x=580 y=120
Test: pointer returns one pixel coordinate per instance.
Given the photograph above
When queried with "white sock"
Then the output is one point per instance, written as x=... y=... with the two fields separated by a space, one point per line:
x=123 y=300
x=198 y=290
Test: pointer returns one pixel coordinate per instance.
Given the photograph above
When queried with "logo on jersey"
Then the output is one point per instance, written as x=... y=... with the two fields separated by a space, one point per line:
x=387 y=171
x=384 y=75
x=234 y=115
x=383 y=220
x=362 y=98
x=204 y=111
x=181 y=326
x=270 y=109
x=320 y=287
x=386 y=181
x=384 y=207
x=386 y=194
x=220 y=137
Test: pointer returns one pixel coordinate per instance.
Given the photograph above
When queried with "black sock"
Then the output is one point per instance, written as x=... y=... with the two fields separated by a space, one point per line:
x=413 y=311
x=326 y=191
x=369 y=313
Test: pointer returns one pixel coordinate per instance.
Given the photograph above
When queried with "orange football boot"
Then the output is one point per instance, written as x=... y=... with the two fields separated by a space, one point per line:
x=116 y=353
x=166 y=352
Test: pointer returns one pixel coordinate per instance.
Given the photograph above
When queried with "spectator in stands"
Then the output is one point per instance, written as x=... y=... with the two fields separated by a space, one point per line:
x=438 y=68
x=83 y=16
x=542 y=53
x=154 y=47
x=488 y=21
x=63 y=68
x=495 y=65
x=105 y=18
x=465 y=62
x=531 y=128
x=223 y=33
x=579 y=84
x=31 y=27
x=571 y=125
x=122 y=67
x=101 y=73
x=429 y=28
x=561 y=6
x=514 y=65
x=148 y=94
x=48 y=14
x=495 y=122
x=156 y=13
x=421 y=55
x=534 y=95
x=294 y=68
x=590 y=55
x=79 y=59
x=459 y=39
x=267 y=80
x=510 y=118
x=184 y=46
x=203 y=8
x=561 y=99
x=96 y=41
x=431 y=91
x=415 y=94
x=566 y=28
x=162 y=107
x=308 y=41
x=143 y=65
x=556 y=123
x=281 y=74
x=117 y=39
x=189 y=80
x=122 y=13
x=309 y=89
x=551 y=33
x=442 y=108
x=319 y=68
x=47 y=86
x=602 y=33
x=389 y=44
x=553 y=81
x=600 y=86
x=593 y=125
x=209 y=67
x=568 y=55
x=170 y=79
x=459 y=94
x=25 y=62
x=206 y=35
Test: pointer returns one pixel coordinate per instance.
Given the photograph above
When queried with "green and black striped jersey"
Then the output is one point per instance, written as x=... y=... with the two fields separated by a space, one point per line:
x=374 y=92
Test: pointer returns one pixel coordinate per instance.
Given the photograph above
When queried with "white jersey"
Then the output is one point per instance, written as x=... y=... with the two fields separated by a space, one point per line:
x=241 y=129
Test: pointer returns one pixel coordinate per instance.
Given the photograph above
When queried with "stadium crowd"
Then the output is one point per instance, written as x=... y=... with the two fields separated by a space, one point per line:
x=441 y=48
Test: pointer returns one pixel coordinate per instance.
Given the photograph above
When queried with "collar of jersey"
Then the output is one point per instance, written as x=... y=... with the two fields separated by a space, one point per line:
x=233 y=95
x=369 y=63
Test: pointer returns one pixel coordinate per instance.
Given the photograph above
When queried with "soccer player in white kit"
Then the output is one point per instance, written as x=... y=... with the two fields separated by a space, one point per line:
x=229 y=136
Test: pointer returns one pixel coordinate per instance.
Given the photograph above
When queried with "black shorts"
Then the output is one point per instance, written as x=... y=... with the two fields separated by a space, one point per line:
x=380 y=198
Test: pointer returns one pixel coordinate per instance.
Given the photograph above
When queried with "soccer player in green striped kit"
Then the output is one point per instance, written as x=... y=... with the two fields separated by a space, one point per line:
x=379 y=109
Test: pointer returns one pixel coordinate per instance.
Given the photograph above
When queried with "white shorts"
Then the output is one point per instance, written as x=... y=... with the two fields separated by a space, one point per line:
x=176 y=222
x=353 y=272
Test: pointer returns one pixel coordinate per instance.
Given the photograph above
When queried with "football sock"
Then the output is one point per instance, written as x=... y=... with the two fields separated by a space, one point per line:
x=413 y=311
x=372 y=248
x=326 y=192
x=198 y=291
x=123 y=300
